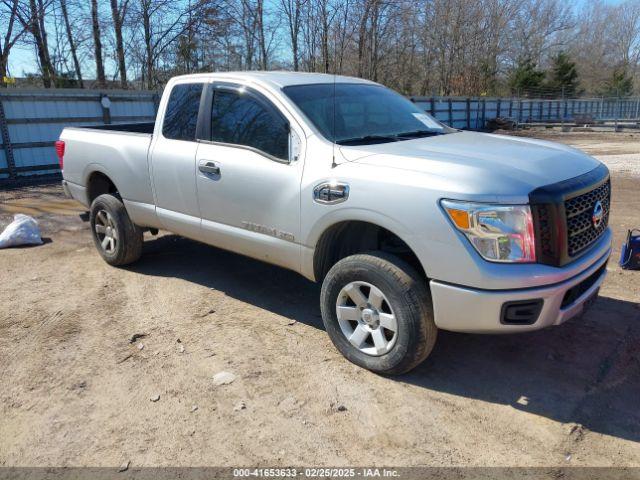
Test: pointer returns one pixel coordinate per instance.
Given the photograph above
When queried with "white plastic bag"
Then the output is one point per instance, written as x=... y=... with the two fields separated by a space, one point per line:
x=23 y=230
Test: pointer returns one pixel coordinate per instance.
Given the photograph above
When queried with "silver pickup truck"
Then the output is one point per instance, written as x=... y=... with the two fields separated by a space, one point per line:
x=411 y=226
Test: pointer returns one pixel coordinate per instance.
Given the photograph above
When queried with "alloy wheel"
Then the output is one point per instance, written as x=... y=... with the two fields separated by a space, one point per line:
x=106 y=231
x=366 y=318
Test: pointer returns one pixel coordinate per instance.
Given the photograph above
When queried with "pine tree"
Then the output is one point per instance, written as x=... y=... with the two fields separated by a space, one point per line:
x=619 y=85
x=525 y=79
x=564 y=75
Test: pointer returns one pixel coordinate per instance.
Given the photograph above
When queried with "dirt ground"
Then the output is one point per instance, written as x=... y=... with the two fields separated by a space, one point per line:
x=75 y=392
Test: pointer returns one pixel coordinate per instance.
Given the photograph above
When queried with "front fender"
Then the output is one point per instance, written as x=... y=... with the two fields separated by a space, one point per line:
x=353 y=214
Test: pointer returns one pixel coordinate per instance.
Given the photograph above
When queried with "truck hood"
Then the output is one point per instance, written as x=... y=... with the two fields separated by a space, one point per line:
x=479 y=163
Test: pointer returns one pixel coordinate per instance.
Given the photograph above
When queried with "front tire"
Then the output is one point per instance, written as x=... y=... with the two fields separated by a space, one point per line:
x=117 y=238
x=378 y=313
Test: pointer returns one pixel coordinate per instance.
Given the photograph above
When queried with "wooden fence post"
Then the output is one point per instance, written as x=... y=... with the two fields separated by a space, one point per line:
x=468 y=113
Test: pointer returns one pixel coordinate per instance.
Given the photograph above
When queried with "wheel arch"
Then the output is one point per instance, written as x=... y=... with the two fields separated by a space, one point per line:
x=97 y=183
x=349 y=237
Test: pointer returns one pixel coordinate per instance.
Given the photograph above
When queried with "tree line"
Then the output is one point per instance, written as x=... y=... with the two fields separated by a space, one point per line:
x=419 y=47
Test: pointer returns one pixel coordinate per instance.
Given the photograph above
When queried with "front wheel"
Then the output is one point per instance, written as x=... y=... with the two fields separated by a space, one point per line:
x=377 y=311
x=116 y=237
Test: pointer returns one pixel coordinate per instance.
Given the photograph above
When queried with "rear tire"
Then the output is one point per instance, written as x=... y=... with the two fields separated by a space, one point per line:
x=117 y=238
x=364 y=298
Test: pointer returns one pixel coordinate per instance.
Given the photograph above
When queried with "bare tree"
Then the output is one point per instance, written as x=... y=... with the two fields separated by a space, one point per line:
x=451 y=47
x=97 y=45
x=324 y=17
x=222 y=49
x=249 y=17
x=341 y=33
x=31 y=16
x=163 y=22
x=118 y=13
x=365 y=12
x=537 y=27
x=320 y=36
x=625 y=27
x=10 y=35
x=309 y=34
x=260 y=33
x=292 y=10
x=72 y=42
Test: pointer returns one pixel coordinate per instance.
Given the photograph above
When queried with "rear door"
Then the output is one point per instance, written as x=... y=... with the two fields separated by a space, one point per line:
x=248 y=182
x=173 y=161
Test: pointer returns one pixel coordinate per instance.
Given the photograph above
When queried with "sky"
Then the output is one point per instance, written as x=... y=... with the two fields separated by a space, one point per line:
x=23 y=59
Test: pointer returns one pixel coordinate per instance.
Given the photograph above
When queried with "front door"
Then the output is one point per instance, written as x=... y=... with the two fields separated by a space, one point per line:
x=248 y=186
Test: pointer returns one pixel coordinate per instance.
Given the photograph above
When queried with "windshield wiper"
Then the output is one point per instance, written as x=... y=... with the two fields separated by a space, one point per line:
x=368 y=139
x=419 y=133
x=388 y=138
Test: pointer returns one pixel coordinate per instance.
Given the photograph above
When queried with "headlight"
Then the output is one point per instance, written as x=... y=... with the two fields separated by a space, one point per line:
x=500 y=233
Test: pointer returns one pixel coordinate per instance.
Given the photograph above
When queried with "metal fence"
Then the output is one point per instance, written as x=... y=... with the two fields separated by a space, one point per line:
x=474 y=113
x=31 y=121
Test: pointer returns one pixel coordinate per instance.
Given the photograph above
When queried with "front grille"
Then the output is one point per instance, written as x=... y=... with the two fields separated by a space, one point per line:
x=581 y=231
x=545 y=229
x=563 y=216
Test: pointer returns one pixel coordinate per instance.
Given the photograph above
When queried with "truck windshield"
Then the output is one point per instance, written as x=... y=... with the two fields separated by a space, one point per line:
x=364 y=114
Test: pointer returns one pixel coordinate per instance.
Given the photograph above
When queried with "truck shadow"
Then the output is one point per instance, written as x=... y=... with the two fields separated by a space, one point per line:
x=585 y=372
x=272 y=288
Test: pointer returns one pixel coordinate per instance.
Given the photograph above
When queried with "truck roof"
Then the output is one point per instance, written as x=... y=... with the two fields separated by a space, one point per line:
x=277 y=79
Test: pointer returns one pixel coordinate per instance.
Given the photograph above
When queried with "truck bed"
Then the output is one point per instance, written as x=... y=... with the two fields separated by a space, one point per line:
x=120 y=153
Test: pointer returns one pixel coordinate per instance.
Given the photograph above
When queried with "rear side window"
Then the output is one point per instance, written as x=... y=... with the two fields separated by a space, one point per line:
x=241 y=119
x=181 y=116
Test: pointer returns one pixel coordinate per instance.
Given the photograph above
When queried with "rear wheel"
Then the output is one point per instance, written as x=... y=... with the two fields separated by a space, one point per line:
x=116 y=237
x=377 y=311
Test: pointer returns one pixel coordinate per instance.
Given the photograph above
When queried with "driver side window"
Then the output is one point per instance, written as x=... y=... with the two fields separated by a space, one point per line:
x=241 y=119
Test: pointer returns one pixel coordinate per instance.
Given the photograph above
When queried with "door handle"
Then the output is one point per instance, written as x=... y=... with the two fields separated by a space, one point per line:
x=210 y=168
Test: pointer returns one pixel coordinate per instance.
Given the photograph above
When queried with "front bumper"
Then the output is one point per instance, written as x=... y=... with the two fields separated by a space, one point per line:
x=465 y=309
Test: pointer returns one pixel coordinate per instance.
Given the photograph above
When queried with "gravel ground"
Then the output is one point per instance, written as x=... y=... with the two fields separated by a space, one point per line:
x=626 y=164
x=619 y=151
x=77 y=392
